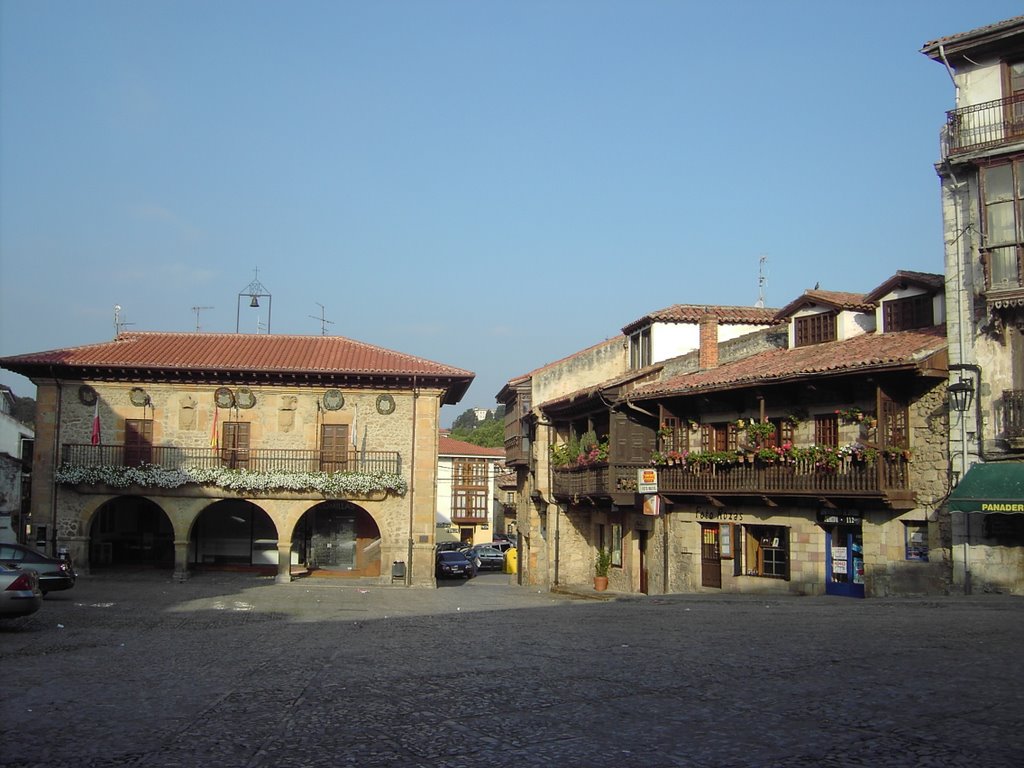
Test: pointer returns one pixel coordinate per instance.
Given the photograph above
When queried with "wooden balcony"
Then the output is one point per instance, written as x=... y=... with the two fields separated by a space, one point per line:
x=517 y=450
x=986 y=125
x=253 y=459
x=886 y=480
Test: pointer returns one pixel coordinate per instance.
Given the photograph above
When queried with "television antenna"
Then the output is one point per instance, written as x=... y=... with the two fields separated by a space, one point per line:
x=119 y=325
x=197 y=310
x=324 y=322
x=762 y=280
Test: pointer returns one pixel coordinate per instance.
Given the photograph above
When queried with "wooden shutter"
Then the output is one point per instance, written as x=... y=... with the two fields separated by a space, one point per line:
x=333 y=447
x=138 y=442
x=234 y=445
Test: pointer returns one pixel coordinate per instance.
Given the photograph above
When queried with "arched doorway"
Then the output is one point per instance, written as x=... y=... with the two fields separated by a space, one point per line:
x=233 y=533
x=339 y=538
x=131 y=531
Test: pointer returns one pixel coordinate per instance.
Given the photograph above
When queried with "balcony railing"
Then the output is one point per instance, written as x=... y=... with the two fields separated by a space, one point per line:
x=1013 y=416
x=255 y=459
x=796 y=477
x=985 y=125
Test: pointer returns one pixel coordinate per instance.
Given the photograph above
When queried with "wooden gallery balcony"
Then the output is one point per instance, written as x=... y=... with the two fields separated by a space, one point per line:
x=253 y=459
x=885 y=480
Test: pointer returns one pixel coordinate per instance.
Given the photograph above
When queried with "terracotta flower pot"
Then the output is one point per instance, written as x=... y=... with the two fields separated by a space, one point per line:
x=600 y=583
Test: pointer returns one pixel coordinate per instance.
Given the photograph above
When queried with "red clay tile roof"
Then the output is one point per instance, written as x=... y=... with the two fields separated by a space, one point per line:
x=238 y=357
x=964 y=40
x=692 y=313
x=447 y=446
x=927 y=280
x=855 y=302
x=868 y=352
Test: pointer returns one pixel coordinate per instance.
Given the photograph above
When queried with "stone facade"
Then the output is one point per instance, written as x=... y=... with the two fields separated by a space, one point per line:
x=283 y=418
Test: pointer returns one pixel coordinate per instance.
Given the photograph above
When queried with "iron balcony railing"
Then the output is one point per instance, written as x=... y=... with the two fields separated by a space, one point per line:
x=796 y=477
x=985 y=125
x=1013 y=416
x=255 y=459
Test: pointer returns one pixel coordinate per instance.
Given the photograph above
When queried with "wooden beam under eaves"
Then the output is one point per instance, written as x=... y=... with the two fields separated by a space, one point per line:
x=768 y=502
x=714 y=502
x=827 y=504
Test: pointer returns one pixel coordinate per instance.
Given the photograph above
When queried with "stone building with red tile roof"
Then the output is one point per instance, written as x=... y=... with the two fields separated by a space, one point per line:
x=808 y=457
x=194 y=450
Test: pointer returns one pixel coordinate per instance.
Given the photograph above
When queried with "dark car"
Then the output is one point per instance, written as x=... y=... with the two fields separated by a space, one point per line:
x=19 y=592
x=452 y=565
x=449 y=546
x=54 y=574
x=487 y=558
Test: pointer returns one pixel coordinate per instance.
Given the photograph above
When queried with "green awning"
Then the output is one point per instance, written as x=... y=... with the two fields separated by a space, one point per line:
x=991 y=487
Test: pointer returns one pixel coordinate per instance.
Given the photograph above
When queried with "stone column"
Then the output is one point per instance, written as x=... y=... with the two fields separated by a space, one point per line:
x=284 y=562
x=180 y=560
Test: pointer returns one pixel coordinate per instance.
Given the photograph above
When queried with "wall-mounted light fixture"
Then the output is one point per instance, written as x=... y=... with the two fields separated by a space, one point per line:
x=961 y=393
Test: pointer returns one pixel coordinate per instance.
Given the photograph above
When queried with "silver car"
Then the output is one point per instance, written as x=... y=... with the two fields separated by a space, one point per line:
x=20 y=594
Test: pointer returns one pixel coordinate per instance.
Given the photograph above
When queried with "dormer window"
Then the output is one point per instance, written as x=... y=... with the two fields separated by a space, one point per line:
x=814 y=329
x=640 y=348
x=908 y=313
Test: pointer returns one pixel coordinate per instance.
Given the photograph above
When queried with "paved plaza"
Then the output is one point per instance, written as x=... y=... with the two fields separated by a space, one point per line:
x=233 y=670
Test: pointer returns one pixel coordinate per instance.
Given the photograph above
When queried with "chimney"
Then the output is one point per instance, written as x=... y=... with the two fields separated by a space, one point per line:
x=708 y=355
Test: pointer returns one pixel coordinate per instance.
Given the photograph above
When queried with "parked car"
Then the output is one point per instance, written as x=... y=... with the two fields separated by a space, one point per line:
x=20 y=594
x=452 y=564
x=486 y=557
x=501 y=546
x=449 y=546
x=54 y=574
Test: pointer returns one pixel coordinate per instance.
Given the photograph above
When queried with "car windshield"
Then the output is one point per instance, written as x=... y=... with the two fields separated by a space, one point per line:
x=454 y=557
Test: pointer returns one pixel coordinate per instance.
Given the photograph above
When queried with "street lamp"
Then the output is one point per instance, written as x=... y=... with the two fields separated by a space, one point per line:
x=254 y=291
x=960 y=395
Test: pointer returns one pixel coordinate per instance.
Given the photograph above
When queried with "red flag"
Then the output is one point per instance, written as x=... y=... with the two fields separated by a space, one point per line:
x=96 y=424
x=214 y=434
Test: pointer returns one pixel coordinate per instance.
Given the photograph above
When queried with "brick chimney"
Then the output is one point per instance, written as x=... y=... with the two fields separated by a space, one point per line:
x=708 y=355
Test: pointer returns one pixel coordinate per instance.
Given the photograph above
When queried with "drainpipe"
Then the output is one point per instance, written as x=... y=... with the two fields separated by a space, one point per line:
x=949 y=71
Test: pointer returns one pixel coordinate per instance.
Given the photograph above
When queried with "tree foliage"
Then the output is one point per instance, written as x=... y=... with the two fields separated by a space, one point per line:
x=488 y=432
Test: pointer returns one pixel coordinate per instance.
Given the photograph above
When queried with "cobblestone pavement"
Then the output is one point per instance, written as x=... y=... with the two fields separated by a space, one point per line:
x=234 y=670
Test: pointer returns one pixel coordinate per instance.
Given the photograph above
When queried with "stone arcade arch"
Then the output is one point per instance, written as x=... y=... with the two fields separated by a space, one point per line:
x=338 y=538
x=130 y=531
x=233 y=533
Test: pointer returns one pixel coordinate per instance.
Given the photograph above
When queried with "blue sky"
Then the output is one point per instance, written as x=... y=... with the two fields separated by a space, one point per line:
x=491 y=185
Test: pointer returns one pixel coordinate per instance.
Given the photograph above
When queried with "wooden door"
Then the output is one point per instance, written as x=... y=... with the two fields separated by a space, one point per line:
x=334 y=447
x=710 y=556
x=234 y=447
x=138 y=442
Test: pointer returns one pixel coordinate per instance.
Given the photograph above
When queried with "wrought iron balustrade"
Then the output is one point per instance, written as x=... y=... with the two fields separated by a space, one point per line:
x=985 y=125
x=1013 y=416
x=254 y=459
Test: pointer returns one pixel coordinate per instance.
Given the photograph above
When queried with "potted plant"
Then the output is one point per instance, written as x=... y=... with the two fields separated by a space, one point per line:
x=601 y=566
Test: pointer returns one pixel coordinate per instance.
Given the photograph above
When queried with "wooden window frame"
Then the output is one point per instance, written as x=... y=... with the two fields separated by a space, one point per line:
x=818 y=328
x=826 y=430
x=767 y=546
x=908 y=313
x=640 y=348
